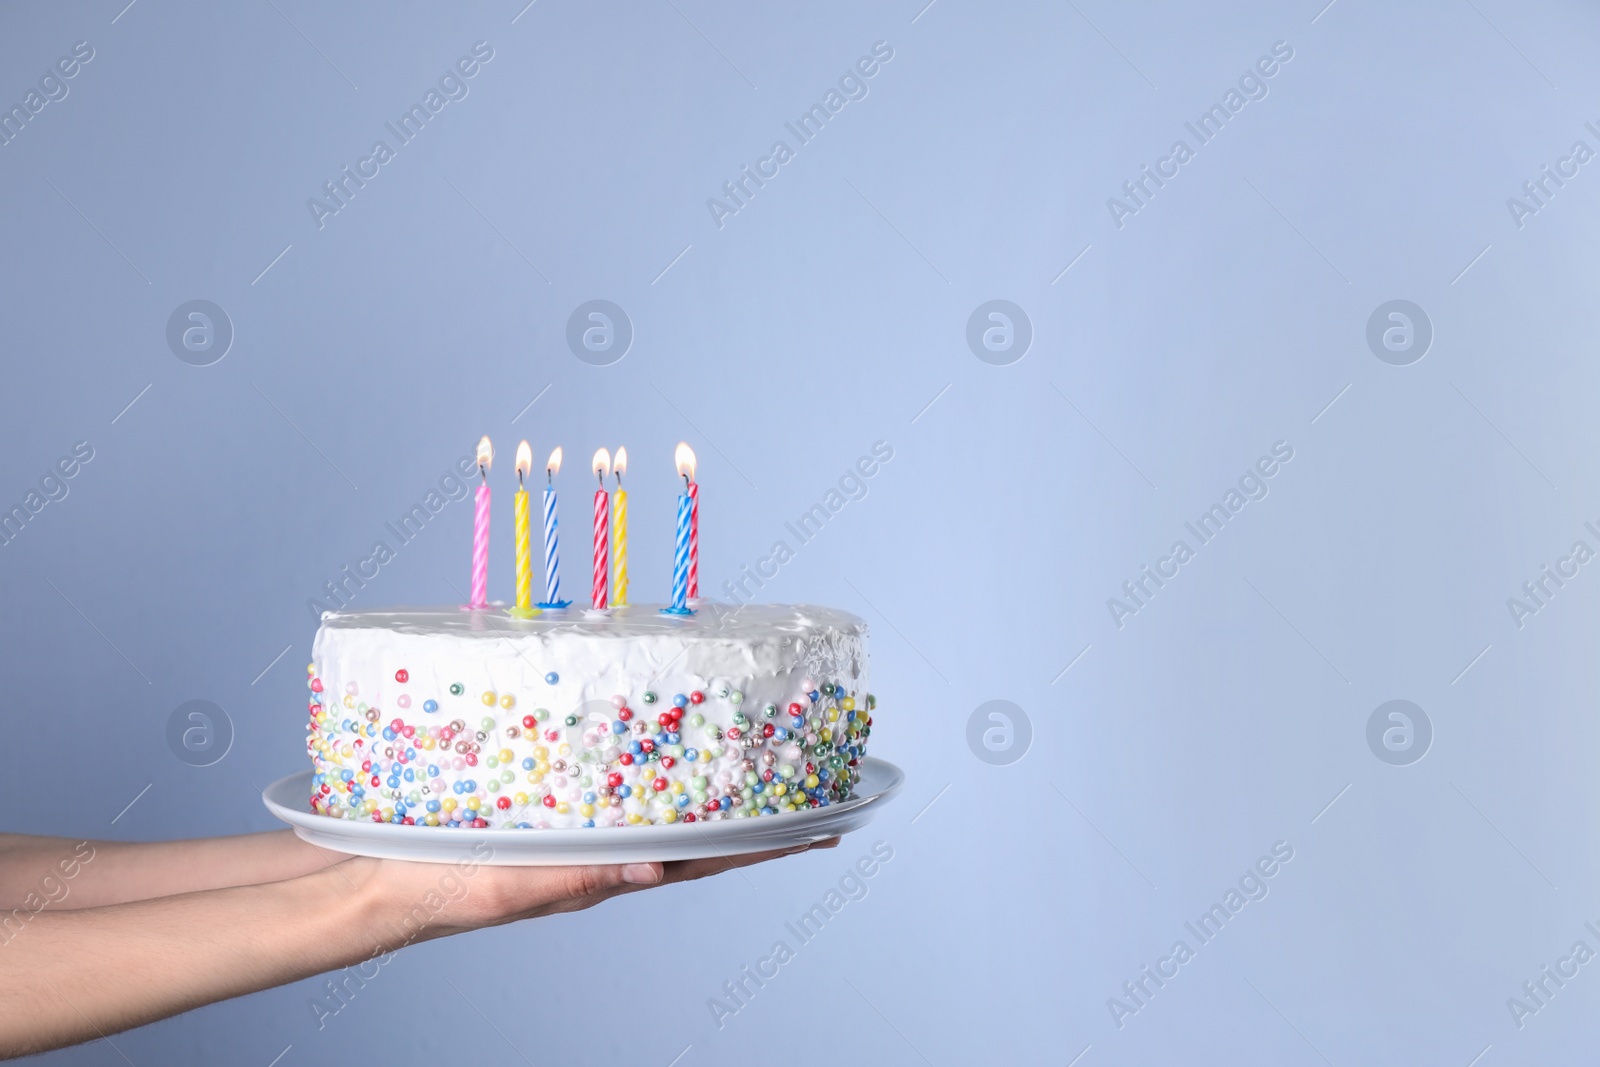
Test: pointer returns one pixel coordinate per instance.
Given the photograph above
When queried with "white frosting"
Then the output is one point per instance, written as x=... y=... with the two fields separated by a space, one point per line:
x=765 y=654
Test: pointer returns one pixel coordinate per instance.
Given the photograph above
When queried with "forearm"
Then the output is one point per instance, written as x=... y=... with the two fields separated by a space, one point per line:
x=68 y=977
x=62 y=873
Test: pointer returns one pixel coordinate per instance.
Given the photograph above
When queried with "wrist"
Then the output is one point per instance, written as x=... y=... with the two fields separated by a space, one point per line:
x=399 y=904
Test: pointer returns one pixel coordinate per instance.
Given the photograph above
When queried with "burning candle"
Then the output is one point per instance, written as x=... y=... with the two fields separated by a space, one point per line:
x=683 y=541
x=480 y=529
x=601 y=465
x=524 y=608
x=619 y=533
x=552 y=543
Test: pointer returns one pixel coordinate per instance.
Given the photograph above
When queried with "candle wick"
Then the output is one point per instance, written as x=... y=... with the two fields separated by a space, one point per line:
x=483 y=474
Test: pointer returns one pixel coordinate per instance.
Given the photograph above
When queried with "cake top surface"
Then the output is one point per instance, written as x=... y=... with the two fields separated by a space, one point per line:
x=746 y=621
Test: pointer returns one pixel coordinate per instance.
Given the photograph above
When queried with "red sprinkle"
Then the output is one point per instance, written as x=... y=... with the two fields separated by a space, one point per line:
x=625 y=714
x=402 y=676
x=503 y=803
x=796 y=709
x=667 y=762
x=529 y=722
x=658 y=783
x=549 y=800
x=767 y=730
x=689 y=817
x=626 y=759
x=316 y=685
x=613 y=779
x=696 y=697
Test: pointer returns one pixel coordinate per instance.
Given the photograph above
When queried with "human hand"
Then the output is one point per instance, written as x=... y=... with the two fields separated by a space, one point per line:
x=421 y=901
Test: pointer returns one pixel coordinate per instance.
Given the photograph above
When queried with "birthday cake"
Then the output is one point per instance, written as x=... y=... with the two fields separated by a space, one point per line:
x=451 y=718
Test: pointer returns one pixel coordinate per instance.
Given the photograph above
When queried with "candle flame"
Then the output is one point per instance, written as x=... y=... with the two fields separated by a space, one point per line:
x=552 y=467
x=524 y=460
x=685 y=459
x=601 y=464
x=619 y=465
x=485 y=453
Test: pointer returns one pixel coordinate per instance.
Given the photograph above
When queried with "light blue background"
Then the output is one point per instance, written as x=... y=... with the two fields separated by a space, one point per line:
x=828 y=314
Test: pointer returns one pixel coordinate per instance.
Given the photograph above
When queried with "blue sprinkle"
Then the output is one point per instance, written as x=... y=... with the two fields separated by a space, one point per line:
x=527 y=763
x=552 y=678
x=619 y=727
x=680 y=701
x=430 y=706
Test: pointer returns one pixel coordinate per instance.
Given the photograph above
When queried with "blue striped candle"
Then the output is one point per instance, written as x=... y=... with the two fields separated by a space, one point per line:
x=552 y=541
x=680 y=562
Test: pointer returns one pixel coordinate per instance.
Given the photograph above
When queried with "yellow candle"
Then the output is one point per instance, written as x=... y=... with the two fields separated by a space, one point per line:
x=524 y=608
x=619 y=534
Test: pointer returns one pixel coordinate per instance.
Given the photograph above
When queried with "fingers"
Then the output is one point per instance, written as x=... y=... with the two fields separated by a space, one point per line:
x=689 y=870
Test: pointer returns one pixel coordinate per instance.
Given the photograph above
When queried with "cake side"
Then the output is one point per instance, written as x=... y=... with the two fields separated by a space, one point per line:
x=575 y=719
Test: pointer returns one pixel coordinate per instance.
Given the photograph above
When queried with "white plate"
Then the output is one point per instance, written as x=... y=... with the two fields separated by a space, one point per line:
x=880 y=780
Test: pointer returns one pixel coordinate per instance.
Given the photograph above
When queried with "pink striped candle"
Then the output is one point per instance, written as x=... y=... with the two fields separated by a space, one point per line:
x=694 y=539
x=480 y=529
x=602 y=531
